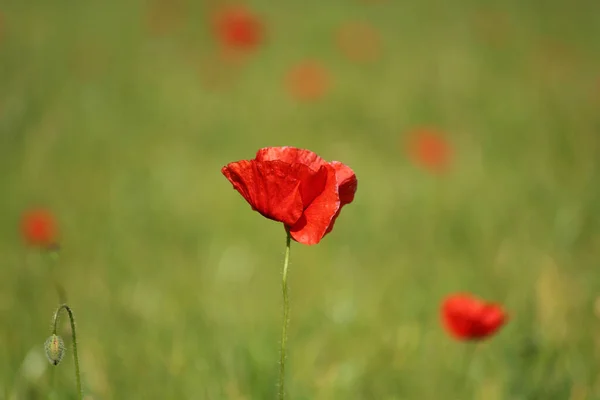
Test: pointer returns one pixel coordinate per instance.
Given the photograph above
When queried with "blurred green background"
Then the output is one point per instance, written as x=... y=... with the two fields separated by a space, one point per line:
x=120 y=127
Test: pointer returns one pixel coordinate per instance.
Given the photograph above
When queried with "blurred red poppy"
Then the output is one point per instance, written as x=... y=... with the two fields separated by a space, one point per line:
x=237 y=28
x=39 y=228
x=308 y=81
x=429 y=149
x=296 y=187
x=466 y=317
x=359 y=42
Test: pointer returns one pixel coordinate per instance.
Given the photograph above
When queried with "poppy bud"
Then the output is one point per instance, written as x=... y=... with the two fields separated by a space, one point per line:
x=55 y=349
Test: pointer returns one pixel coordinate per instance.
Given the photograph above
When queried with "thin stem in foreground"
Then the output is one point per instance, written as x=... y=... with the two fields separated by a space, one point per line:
x=286 y=318
x=74 y=334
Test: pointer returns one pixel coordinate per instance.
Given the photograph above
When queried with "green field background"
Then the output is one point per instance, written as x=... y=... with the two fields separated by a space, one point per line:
x=175 y=282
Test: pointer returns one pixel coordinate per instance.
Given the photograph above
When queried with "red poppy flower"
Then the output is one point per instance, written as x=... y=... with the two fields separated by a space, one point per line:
x=308 y=81
x=466 y=317
x=430 y=150
x=237 y=28
x=296 y=187
x=39 y=228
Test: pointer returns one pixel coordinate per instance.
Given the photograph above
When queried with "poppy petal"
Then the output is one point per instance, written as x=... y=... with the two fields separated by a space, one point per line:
x=270 y=187
x=492 y=318
x=312 y=183
x=347 y=185
x=317 y=217
x=346 y=180
x=291 y=155
x=469 y=318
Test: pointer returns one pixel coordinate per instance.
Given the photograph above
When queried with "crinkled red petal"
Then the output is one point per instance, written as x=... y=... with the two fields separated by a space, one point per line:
x=271 y=187
x=347 y=185
x=317 y=217
x=346 y=180
x=312 y=183
x=291 y=155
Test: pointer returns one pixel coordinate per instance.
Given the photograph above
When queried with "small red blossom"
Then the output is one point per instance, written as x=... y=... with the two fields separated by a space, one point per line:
x=430 y=150
x=296 y=187
x=466 y=317
x=39 y=228
x=238 y=28
x=308 y=81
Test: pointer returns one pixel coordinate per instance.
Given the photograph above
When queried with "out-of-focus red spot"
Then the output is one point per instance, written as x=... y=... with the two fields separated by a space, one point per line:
x=359 y=42
x=165 y=16
x=39 y=228
x=308 y=81
x=468 y=318
x=428 y=148
x=237 y=28
x=492 y=27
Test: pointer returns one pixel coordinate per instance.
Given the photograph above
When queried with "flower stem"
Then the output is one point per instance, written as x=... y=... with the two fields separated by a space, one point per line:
x=286 y=318
x=74 y=334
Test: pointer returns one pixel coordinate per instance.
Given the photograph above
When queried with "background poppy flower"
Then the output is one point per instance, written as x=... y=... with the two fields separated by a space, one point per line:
x=39 y=228
x=466 y=317
x=296 y=187
x=237 y=28
x=429 y=149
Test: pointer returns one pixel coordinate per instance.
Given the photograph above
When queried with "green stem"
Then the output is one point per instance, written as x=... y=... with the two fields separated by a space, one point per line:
x=286 y=318
x=74 y=334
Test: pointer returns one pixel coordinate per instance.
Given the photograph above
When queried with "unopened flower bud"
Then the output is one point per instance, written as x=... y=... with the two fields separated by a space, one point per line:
x=55 y=349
